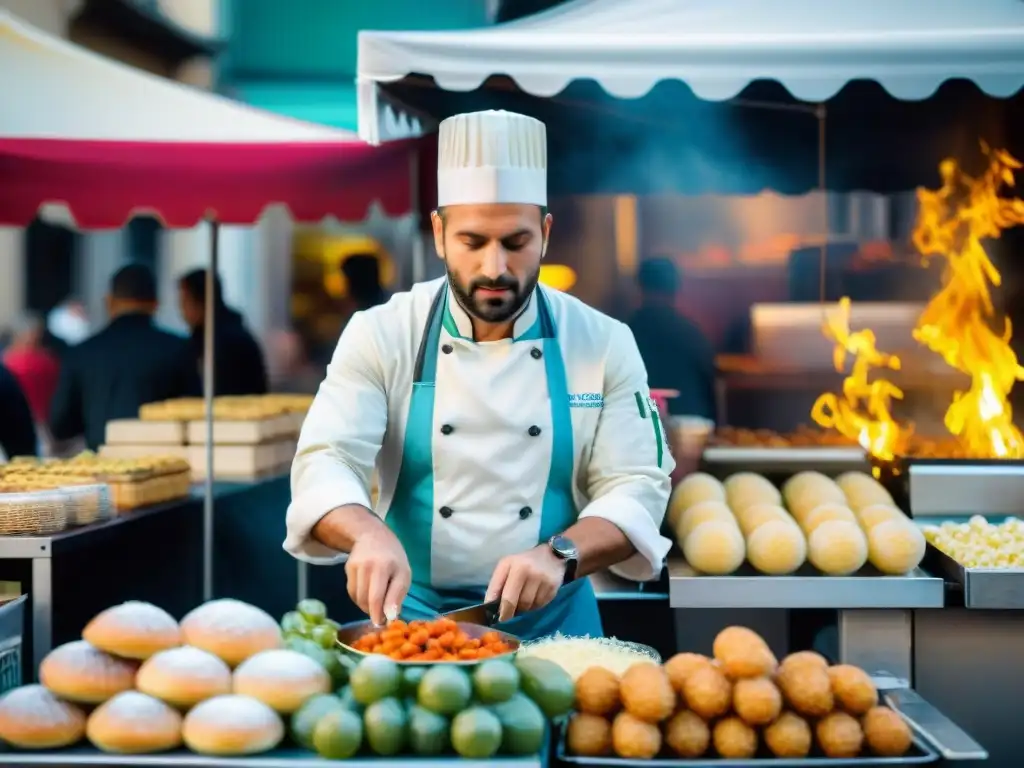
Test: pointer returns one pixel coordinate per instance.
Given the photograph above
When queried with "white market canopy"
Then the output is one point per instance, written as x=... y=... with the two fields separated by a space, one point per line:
x=717 y=47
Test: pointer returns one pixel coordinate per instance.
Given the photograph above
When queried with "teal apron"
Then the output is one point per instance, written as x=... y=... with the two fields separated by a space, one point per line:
x=411 y=513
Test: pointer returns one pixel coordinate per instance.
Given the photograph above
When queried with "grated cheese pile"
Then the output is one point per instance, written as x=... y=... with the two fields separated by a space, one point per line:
x=578 y=654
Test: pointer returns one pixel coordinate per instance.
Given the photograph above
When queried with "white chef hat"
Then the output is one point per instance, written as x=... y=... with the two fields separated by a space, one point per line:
x=492 y=157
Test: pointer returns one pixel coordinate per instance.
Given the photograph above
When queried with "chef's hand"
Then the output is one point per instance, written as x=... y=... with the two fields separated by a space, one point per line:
x=378 y=575
x=526 y=581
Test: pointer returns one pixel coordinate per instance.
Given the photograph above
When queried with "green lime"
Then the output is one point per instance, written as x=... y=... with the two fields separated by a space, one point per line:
x=324 y=635
x=476 y=733
x=522 y=725
x=293 y=623
x=386 y=725
x=495 y=681
x=312 y=611
x=411 y=677
x=338 y=735
x=548 y=685
x=375 y=678
x=445 y=690
x=428 y=732
x=309 y=714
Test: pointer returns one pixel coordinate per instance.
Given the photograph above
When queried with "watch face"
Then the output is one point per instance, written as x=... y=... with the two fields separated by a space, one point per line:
x=564 y=548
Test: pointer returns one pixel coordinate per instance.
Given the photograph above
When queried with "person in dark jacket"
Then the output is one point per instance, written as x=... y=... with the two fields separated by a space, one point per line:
x=17 y=428
x=127 y=364
x=239 y=368
x=675 y=351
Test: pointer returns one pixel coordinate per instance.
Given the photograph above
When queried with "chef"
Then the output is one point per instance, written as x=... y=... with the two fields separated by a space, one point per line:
x=510 y=425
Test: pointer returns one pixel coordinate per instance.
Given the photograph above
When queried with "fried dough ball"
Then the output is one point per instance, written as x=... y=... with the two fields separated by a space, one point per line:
x=839 y=735
x=708 y=693
x=886 y=733
x=693 y=489
x=862 y=490
x=756 y=700
x=744 y=489
x=895 y=546
x=589 y=735
x=734 y=739
x=852 y=688
x=825 y=512
x=646 y=693
x=635 y=739
x=715 y=547
x=789 y=736
x=807 y=490
x=756 y=515
x=876 y=514
x=597 y=691
x=804 y=658
x=743 y=653
x=777 y=547
x=703 y=512
x=837 y=548
x=681 y=666
x=687 y=735
x=807 y=689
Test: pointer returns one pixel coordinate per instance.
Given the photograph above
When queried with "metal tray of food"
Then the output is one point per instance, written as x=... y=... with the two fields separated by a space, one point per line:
x=786 y=458
x=278 y=758
x=920 y=754
x=349 y=633
x=996 y=589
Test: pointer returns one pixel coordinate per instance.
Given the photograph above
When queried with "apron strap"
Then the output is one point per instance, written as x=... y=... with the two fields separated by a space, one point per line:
x=426 y=358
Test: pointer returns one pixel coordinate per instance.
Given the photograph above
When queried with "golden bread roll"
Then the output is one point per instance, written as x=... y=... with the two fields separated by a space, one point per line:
x=701 y=513
x=715 y=548
x=746 y=488
x=822 y=513
x=231 y=630
x=756 y=515
x=31 y=717
x=79 y=672
x=862 y=490
x=896 y=546
x=876 y=514
x=281 y=679
x=694 y=489
x=133 y=723
x=807 y=490
x=777 y=547
x=232 y=725
x=133 y=630
x=837 y=548
x=184 y=676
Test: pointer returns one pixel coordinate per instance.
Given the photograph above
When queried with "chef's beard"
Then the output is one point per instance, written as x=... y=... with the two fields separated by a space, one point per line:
x=491 y=309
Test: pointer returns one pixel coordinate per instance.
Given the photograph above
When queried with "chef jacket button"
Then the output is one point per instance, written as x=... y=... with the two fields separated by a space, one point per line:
x=533 y=431
x=447 y=429
x=447 y=348
x=525 y=512
x=446 y=512
x=535 y=353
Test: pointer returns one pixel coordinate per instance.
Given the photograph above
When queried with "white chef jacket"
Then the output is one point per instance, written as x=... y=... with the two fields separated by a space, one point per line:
x=487 y=471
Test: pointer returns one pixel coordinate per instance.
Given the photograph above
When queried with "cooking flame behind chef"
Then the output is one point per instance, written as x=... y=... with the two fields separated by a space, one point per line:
x=516 y=443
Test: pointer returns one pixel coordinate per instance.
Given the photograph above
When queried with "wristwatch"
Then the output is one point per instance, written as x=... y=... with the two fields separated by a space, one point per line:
x=566 y=551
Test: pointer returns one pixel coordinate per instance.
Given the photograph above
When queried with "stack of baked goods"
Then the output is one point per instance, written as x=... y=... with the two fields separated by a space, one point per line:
x=233 y=408
x=737 y=705
x=838 y=525
x=139 y=681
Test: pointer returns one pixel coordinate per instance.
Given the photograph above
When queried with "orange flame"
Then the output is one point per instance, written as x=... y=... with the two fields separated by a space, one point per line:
x=960 y=322
x=864 y=413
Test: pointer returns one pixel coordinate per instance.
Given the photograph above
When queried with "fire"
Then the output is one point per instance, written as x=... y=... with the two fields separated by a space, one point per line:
x=960 y=322
x=864 y=412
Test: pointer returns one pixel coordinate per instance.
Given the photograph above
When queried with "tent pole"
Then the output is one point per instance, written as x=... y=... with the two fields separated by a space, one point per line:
x=209 y=315
x=821 y=115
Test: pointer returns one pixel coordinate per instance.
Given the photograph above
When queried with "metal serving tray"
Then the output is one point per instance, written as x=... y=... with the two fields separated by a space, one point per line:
x=279 y=758
x=785 y=460
x=996 y=589
x=954 y=487
x=349 y=633
x=920 y=754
